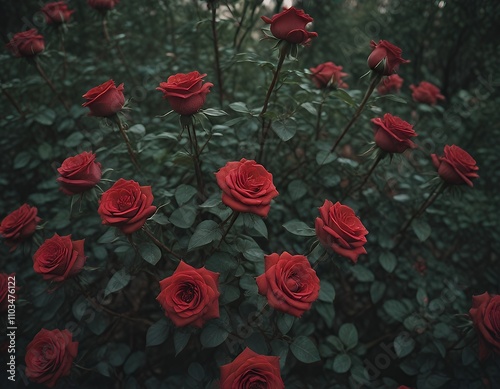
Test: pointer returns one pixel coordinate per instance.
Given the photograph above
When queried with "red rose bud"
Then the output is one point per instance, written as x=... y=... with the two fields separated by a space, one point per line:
x=104 y=100
x=328 y=75
x=485 y=314
x=290 y=25
x=339 y=229
x=26 y=44
x=392 y=83
x=19 y=225
x=59 y=258
x=4 y=290
x=57 y=12
x=251 y=370
x=79 y=173
x=186 y=93
x=456 y=166
x=393 y=134
x=385 y=58
x=426 y=93
x=103 y=5
x=126 y=205
x=289 y=283
x=246 y=187
x=190 y=296
x=49 y=356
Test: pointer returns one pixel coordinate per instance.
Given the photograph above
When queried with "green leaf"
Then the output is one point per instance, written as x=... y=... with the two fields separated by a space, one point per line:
x=45 y=151
x=160 y=218
x=137 y=129
x=341 y=363
x=299 y=228
x=280 y=348
x=239 y=107
x=253 y=221
x=403 y=345
x=99 y=323
x=422 y=229
x=75 y=139
x=228 y=294
x=388 y=261
x=117 y=353
x=157 y=333
x=297 y=189
x=206 y=232
x=326 y=292
x=214 y=112
x=324 y=157
x=362 y=273
x=305 y=350
x=345 y=97
x=149 y=252
x=248 y=284
x=45 y=117
x=196 y=371
x=119 y=280
x=213 y=335
x=348 y=334
x=21 y=160
x=184 y=193
x=286 y=130
x=335 y=342
x=395 y=309
x=285 y=322
x=327 y=312
x=309 y=108
x=181 y=339
x=135 y=361
x=377 y=290
x=183 y=217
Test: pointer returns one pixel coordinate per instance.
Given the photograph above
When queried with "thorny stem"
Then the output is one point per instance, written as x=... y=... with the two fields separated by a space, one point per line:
x=195 y=151
x=368 y=175
x=127 y=142
x=158 y=243
x=234 y=216
x=318 y=119
x=50 y=84
x=216 y=52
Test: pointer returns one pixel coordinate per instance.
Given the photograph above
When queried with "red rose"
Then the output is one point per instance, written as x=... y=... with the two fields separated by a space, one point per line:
x=5 y=289
x=186 y=93
x=289 y=283
x=126 y=205
x=49 y=356
x=290 y=25
x=456 y=166
x=103 y=5
x=59 y=258
x=426 y=93
x=190 y=296
x=328 y=74
x=485 y=314
x=104 y=100
x=57 y=12
x=393 y=134
x=26 y=44
x=251 y=370
x=385 y=58
x=79 y=173
x=246 y=187
x=19 y=225
x=341 y=230
x=392 y=83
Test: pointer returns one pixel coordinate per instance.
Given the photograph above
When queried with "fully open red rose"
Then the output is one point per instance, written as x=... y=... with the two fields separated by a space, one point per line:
x=26 y=44
x=190 y=296
x=328 y=75
x=289 y=283
x=103 y=5
x=251 y=370
x=246 y=187
x=126 y=205
x=19 y=225
x=49 y=356
x=426 y=93
x=385 y=58
x=341 y=230
x=290 y=25
x=392 y=134
x=59 y=258
x=79 y=173
x=105 y=100
x=57 y=12
x=456 y=166
x=186 y=93
x=6 y=289
x=485 y=314
x=392 y=83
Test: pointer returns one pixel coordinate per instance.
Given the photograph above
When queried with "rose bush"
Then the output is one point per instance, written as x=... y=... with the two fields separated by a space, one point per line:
x=328 y=75
x=79 y=173
x=19 y=225
x=392 y=134
x=105 y=100
x=426 y=93
x=485 y=314
x=26 y=44
x=290 y=26
x=456 y=166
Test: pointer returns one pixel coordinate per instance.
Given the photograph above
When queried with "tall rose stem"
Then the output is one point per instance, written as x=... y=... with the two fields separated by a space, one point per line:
x=216 y=53
x=50 y=84
x=195 y=151
x=379 y=158
x=320 y=259
x=318 y=119
x=265 y=128
x=160 y=244
x=234 y=216
x=63 y=49
x=131 y=153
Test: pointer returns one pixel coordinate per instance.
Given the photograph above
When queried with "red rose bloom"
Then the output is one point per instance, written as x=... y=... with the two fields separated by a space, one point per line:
x=126 y=205
x=251 y=370
x=385 y=58
x=4 y=290
x=392 y=83
x=328 y=75
x=190 y=296
x=105 y=100
x=19 y=225
x=393 y=134
x=289 y=283
x=456 y=166
x=79 y=173
x=56 y=12
x=246 y=187
x=186 y=93
x=59 y=258
x=485 y=314
x=426 y=93
x=26 y=44
x=341 y=230
x=103 y=5
x=49 y=356
x=290 y=25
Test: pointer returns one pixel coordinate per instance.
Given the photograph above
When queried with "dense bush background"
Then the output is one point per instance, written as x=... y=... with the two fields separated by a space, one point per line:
x=420 y=290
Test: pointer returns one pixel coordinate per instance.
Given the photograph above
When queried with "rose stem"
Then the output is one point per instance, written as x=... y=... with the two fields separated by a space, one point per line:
x=50 y=84
x=240 y=24
x=234 y=216
x=65 y=60
x=249 y=27
x=265 y=129
x=318 y=120
x=127 y=142
x=380 y=156
x=216 y=52
x=320 y=259
x=195 y=151
x=12 y=100
x=158 y=243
